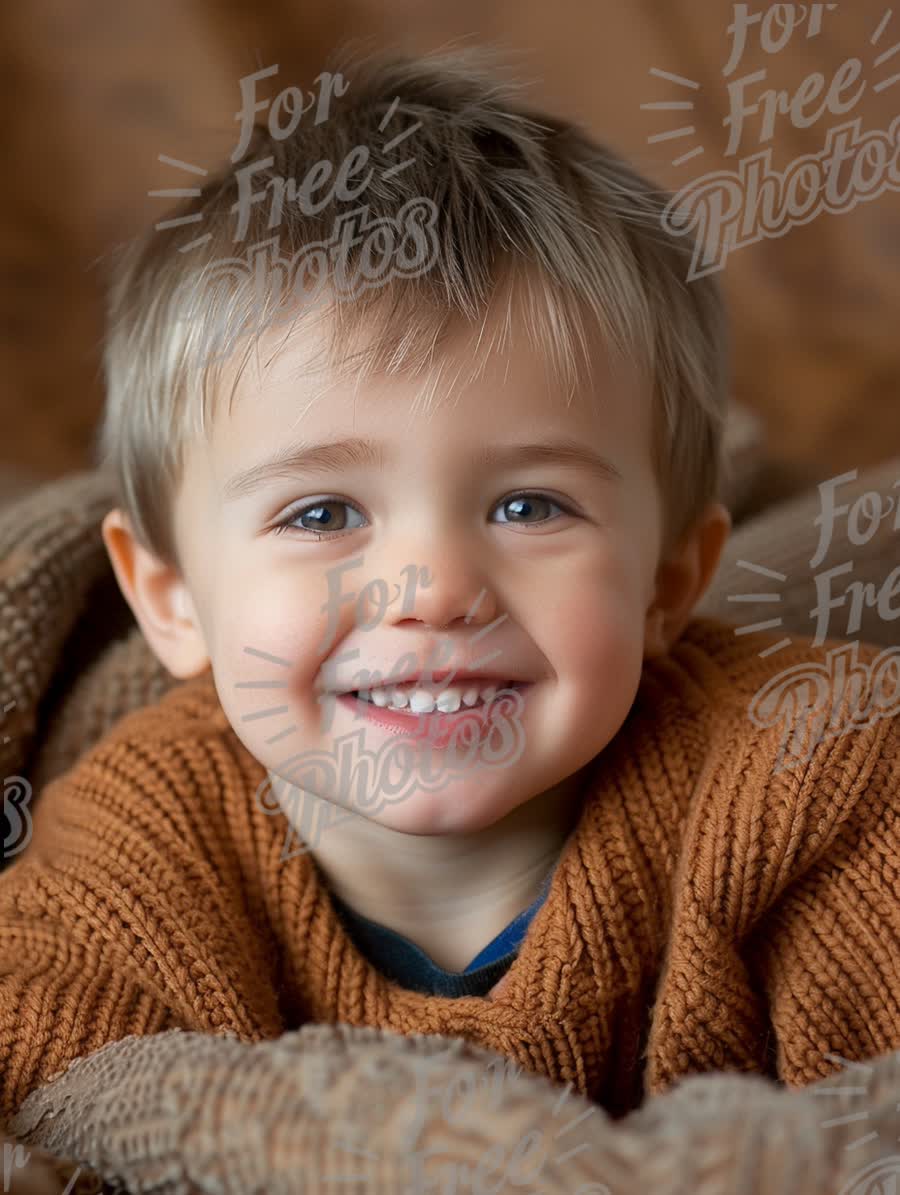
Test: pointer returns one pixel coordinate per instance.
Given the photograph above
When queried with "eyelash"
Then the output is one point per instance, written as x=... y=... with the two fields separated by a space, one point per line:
x=287 y=523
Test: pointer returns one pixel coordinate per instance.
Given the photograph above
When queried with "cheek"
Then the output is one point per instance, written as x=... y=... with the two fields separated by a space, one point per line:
x=601 y=658
x=594 y=626
x=266 y=652
x=597 y=653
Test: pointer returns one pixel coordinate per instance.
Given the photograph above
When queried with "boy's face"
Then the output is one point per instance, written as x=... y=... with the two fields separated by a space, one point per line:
x=537 y=568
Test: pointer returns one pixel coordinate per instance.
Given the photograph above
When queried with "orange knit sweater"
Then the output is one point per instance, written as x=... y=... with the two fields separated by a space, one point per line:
x=709 y=911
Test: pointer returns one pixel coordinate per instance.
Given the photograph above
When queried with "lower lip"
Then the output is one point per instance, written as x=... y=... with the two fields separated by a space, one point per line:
x=436 y=728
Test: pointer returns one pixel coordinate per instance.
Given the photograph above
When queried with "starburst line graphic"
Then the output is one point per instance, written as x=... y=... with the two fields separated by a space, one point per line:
x=688 y=105
x=850 y=1117
x=769 y=624
x=195 y=192
x=685 y=130
x=6 y=709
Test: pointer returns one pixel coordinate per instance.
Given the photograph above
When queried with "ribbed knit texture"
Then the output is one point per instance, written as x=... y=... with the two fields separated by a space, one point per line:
x=706 y=913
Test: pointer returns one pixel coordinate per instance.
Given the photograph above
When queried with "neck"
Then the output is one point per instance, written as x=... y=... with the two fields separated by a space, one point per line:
x=449 y=894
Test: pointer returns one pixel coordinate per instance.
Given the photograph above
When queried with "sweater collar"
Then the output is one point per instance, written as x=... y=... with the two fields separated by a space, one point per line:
x=573 y=1002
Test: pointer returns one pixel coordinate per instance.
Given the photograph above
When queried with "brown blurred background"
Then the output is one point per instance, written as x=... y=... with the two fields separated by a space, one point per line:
x=95 y=91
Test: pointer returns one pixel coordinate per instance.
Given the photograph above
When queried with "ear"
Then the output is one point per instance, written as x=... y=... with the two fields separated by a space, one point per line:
x=159 y=600
x=683 y=577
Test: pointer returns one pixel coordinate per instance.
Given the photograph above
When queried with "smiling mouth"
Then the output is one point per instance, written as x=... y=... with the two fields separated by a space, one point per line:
x=415 y=699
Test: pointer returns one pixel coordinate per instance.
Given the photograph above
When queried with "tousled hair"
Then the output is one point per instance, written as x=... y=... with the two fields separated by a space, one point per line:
x=521 y=204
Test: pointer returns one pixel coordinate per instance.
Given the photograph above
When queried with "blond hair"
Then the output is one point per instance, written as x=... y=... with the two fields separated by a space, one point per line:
x=518 y=195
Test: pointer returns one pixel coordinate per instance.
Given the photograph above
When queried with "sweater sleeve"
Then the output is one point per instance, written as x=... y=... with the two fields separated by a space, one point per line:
x=829 y=951
x=106 y=925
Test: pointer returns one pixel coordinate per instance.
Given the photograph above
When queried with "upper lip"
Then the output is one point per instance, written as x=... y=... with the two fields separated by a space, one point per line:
x=444 y=676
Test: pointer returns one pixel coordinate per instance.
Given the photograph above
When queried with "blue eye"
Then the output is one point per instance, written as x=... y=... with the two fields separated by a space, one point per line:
x=526 y=504
x=527 y=509
x=321 y=513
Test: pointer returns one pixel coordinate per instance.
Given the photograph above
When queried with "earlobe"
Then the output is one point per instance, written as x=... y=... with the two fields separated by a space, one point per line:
x=713 y=535
x=654 y=638
x=159 y=599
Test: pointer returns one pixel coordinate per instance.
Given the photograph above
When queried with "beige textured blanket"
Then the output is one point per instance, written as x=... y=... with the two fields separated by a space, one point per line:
x=336 y=1109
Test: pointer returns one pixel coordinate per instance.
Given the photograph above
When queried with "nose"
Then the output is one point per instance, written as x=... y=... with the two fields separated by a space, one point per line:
x=441 y=591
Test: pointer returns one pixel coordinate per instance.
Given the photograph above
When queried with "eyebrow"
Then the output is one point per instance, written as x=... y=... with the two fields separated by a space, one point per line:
x=307 y=459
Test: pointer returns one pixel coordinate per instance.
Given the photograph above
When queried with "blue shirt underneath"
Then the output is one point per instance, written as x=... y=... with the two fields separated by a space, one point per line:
x=402 y=961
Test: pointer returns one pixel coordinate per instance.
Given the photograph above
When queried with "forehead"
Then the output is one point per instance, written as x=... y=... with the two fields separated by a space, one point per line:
x=493 y=381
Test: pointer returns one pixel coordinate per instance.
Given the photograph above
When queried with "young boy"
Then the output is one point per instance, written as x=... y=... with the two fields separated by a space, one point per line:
x=418 y=496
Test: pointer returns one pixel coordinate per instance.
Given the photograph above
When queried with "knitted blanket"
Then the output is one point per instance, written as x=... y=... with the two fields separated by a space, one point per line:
x=338 y=1108
x=335 y=1108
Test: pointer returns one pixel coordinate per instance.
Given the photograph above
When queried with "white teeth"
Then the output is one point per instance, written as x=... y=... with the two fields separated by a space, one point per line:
x=421 y=700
